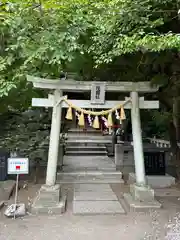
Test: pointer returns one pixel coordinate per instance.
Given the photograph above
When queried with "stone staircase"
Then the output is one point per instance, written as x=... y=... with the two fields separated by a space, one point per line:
x=89 y=137
x=87 y=161
x=81 y=143
x=86 y=150
x=87 y=166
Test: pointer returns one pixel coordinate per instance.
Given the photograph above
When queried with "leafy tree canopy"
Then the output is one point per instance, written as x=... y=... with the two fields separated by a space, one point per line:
x=44 y=37
x=129 y=40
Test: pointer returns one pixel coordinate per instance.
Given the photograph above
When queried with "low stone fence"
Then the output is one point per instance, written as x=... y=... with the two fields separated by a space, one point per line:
x=160 y=142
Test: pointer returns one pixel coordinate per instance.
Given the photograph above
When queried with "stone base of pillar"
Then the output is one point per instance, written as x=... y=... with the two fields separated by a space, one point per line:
x=142 y=193
x=141 y=198
x=49 y=201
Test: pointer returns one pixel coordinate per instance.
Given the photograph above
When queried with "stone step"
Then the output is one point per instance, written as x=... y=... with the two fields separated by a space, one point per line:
x=85 y=148
x=88 y=163
x=92 y=187
x=89 y=177
x=84 y=134
x=91 y=173
x=93 y=137
x=89 y=180
x=86 y=153
x=92 y=141
x=70 y=168
x=88 y=145
x=88 y=166
x=88 y=130
x=84 y=144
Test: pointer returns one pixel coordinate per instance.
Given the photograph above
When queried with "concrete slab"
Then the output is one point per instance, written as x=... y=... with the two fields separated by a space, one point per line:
x=156 y=181
x=92 y=187
x=95 y=196
x=97 y=207
x=95 y=199
x=140 y=206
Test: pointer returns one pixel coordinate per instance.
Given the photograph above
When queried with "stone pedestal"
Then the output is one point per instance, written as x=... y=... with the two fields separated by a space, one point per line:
x=142 y=193
x=49 y=200
x=141 y=198
x=119 y=156
x=155 y=181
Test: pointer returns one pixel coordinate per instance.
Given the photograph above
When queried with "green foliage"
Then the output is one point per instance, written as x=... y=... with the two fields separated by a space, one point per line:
x=26 y=133
x=129 y=26
x=158 y=123
x=38 y=39
x=44 y=37
x=129 y=40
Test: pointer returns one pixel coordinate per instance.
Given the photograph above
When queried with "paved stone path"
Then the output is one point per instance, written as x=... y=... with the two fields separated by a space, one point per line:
x=95 y=199
x=133 y=226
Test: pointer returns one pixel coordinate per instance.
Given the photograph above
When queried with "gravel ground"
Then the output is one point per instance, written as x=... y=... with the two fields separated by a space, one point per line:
x=132 y=226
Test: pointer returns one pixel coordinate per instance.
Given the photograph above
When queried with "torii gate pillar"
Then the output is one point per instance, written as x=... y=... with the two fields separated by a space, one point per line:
x=141 y=195
x=137 y=140
x=54 y=140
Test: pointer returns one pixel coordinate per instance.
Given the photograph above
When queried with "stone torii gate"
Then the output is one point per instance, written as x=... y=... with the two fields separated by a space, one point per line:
x=140 y=191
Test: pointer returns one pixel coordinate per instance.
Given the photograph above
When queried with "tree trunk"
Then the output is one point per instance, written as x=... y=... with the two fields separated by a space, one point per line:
x=176 y=117
x=174 y=129
x=175 y=150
